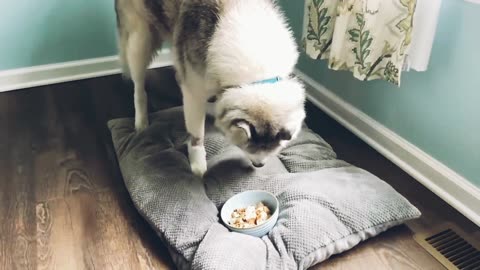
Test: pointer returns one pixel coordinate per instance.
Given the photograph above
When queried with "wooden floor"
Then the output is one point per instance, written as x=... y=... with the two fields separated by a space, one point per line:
x=63 y=204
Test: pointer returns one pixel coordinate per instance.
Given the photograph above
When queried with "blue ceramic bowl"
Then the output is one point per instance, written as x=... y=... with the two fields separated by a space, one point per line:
x=251 y=197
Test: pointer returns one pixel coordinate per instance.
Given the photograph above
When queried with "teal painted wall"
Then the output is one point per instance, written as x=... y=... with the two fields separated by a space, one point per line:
x=53 y=31
x=437 y=110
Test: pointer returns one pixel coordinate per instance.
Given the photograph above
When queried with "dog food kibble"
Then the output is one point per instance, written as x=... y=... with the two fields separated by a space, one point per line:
x=250 y=216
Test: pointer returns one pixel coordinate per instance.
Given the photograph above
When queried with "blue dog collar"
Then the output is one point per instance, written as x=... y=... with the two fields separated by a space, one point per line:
x=268 y=81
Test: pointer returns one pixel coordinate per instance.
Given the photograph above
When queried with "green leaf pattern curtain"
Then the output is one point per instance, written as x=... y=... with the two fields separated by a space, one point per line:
x=370 y=38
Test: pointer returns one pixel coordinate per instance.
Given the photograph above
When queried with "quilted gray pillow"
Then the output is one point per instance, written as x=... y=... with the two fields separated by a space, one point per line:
x=326 y=205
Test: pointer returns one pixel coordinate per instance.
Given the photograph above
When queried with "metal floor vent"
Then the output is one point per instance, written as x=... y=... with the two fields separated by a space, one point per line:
x=451 y=249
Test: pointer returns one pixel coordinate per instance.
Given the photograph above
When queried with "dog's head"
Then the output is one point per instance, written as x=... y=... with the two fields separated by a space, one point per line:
x=261 y=118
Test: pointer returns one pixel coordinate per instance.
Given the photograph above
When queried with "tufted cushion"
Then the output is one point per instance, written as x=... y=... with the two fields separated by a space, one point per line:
x=326 y=205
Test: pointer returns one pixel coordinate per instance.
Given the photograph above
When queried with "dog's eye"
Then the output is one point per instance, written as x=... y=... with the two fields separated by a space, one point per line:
x=284 y=135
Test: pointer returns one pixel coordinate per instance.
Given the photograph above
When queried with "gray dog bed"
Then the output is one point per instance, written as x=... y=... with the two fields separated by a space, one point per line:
x=326 y=205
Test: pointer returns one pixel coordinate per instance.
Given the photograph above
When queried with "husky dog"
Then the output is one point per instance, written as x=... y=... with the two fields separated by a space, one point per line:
x=241 y=52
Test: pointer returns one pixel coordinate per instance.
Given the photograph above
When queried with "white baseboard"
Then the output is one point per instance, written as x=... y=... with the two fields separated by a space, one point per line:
x=443 y=181
x=69 y=71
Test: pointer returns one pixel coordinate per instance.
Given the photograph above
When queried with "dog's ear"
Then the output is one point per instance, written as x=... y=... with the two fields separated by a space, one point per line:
x=284 y=135
x=245 y=126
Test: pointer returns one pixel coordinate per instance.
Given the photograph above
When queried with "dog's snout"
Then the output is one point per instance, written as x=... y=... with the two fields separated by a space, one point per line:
x=258 y=164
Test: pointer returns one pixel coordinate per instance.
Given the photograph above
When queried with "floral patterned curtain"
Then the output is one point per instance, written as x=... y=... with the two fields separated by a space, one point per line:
x=367 y=37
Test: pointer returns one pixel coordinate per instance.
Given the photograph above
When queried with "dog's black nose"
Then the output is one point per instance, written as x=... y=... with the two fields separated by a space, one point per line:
x=258 y=165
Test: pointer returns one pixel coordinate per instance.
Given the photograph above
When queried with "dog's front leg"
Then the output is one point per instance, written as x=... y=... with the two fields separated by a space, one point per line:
x=195 y=110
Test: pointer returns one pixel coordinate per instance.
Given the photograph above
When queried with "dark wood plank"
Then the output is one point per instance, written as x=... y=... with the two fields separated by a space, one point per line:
x=19 y=226
x=5 y=184
x=393 y=249
x=397 y=250
x=62 y=206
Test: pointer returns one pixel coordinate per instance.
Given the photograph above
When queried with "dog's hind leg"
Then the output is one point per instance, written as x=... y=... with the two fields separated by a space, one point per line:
x=122 y=44
x=139 y=53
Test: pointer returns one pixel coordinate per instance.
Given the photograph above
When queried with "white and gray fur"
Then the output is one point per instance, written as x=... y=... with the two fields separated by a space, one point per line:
x=220 y=48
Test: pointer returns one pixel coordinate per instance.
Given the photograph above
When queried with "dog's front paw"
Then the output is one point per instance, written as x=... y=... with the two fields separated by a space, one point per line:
x=199 y=168
x=141 y=123
x=198 y=159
